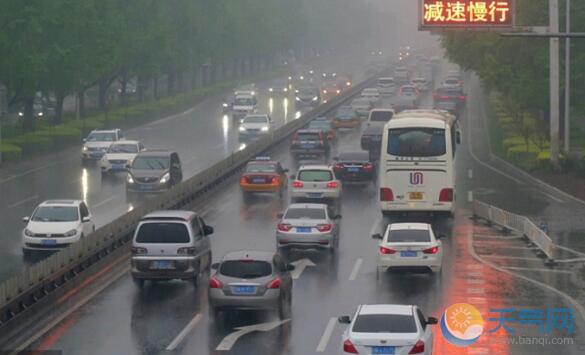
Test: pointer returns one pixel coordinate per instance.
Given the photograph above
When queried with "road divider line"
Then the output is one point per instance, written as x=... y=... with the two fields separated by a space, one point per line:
x=356 y=269
x=326 y=335
x=505 y=257
x=469 y=196
x=470 y=173
x=519 y=268
x=179 y=339
x=22 y=202
x=109 y=199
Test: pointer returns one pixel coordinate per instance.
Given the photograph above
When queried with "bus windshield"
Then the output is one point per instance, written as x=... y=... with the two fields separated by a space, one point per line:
x=417 y=142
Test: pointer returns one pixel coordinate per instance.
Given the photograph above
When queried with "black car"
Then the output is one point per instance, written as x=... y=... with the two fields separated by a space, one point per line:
x=154 y=171
x=309 y=142
x=355 y=167
x=372 y=140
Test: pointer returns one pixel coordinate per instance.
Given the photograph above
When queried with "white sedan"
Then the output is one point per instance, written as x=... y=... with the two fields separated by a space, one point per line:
x=371 y=94
x=315 y=182
x=119 y=155
x=254 y=125
x=409 y=246
x=388 y=329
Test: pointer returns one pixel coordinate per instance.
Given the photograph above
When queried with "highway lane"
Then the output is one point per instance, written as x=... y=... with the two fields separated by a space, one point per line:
x=173 y=315
x=201 y=135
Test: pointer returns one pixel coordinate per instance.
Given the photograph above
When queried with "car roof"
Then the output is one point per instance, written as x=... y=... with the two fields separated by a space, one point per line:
x=105 y=130
x=386 y=78
x=126 y=142
x=307 y=205
x=249 y=254
x=155 y=153
x=406 y=226
x=308 y=130
x=63 y=202
x=355 y=155
x=178 y=215
x=399 y=309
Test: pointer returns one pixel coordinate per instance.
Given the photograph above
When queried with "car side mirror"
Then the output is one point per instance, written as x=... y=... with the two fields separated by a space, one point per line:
x=280 y=215
x=84 y=140
x=458 y=137
x=26 y=219
x=337 y=216
x=344 y=320
x=86 y=219
x=441 y=236
x=377 y=236
x=207 y=230
x=432 y=320
x=214 y=266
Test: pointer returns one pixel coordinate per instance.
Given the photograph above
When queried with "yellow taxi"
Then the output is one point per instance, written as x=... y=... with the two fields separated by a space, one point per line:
x=263 y=175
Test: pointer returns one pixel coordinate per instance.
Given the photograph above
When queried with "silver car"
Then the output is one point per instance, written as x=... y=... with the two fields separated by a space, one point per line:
x=315 y=182
x=308 y=225
x=251 y=280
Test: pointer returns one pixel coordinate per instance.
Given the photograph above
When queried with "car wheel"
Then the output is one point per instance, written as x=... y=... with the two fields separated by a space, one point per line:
x=215 y=313
x=284 y=308
x=138 y=282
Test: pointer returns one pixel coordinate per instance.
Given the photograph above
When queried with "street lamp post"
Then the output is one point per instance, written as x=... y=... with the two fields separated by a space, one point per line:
x=567 y=141
x=554 y=82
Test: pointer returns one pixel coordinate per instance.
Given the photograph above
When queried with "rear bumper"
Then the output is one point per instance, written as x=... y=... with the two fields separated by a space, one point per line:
x=386 y=263
x=269 y=301
x=417 y=206
x=260 y=188
x=183 y=268
x=146 y=188
x=357 y=177
x=332 y=195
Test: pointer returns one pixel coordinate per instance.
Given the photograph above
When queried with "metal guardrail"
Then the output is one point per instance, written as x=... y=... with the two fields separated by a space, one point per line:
x=518 y=223
x=34 y=283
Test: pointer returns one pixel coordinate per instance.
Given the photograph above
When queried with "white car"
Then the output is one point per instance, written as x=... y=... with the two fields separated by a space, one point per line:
x=386 y=86
x=55 y=224
x=254 y=125
x=421 y=84
x=388 y=329
x=361 y=106
x=97 y=143
x=380 y=116
x=372 y=94
x=409 y=246
x=315 y=182
x=119 y=156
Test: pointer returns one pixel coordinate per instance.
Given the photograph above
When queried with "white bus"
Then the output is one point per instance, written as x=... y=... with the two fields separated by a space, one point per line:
x=417 y=162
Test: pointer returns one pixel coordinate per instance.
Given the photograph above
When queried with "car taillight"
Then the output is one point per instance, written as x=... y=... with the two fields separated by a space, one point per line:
x=445 y=97
x=297 y=184
x=349 y=348
x=215 y=283
x=274 y=283
x=138 y=250
x=433 y=250
x=324 y=227
x=418 y=348
x=446 y=195
x=386 y=194
x=368 y=167
x=339 y=166
x=274 y=180
x=386 y=251
x=332 y=185
x=189 y=250
x=435 y=95
x=243 y=180
x=462 y=97
x=283 y=227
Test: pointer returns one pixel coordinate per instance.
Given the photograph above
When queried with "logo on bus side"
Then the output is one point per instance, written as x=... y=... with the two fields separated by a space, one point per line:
x=416 y=178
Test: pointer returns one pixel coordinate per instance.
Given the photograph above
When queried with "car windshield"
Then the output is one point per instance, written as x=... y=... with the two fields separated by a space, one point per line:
x=308 y=136
x=163 y=233
x=123 y=148
x=308 y=91
x=322 y=125
x=245 y=269
x=305 y=213
x=260 y=168
x=381 y=116
x=384 y=323
x=256 y=119
x=151 y=163
x=345 y=112
x=101 y=137
x=409 y=236
x=243 y=101
x=315 y=175
x=417 y=142
x=56 y=214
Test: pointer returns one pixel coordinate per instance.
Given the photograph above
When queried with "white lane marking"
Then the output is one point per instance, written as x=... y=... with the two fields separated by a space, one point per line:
x=470 y=173
x=552 y=197
x=504 y=257
x=326 y=335
x=356 y=269
x=537 y=269
x=228 y=342
x=469 y=196
x=179 y=339
x=300 y=266
x=28 y=199
x=109 y=199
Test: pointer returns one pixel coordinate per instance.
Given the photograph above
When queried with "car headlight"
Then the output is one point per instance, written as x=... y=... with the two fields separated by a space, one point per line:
x=242 y=129
x=285 y=89
x=225 y=105
x=348 y=83
x=298 y=98
x=71 y=233
x=290 y=78
x=324 y=91
x=84 y=148
x=271 y=90
x=165 y=178
x=20 y=114
x=315 y=98
x=40 y=114
x=264 y=129
x=302 y=77
x=28 y=233
x=130 y=179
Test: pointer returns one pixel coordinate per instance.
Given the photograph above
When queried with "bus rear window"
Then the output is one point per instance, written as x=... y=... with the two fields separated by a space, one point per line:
x=417 y=142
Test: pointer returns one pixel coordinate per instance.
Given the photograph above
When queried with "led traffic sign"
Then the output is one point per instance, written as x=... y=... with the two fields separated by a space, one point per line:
x=466 y=14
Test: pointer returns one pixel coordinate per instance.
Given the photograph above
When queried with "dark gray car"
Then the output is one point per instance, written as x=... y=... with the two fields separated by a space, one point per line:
x=251 y=280
x=154 y=171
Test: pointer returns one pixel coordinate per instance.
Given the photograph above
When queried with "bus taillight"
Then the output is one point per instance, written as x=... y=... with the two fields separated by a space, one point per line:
x=386 y=194
x=446 y=195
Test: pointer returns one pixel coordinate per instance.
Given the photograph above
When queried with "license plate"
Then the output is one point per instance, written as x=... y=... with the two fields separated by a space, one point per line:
x=408 y=254
x=146 y=187
x=244 y=290
x=353 y=170
x=303 y=229
x=307 y=146
x=162 y=264
x=314 y=194
x=258 y=181
x=382 y=350
x=415 y=195
x=49 y=242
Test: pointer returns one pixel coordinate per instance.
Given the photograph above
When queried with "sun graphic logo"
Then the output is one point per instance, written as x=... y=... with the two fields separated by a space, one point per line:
x=462 y=324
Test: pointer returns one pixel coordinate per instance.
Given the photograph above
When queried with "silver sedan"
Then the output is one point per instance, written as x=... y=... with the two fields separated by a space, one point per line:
x=308 y=226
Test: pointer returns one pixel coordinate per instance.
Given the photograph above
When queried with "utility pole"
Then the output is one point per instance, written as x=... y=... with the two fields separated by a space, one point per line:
x=3 y=110
x=554 y=83
x=567 y=141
